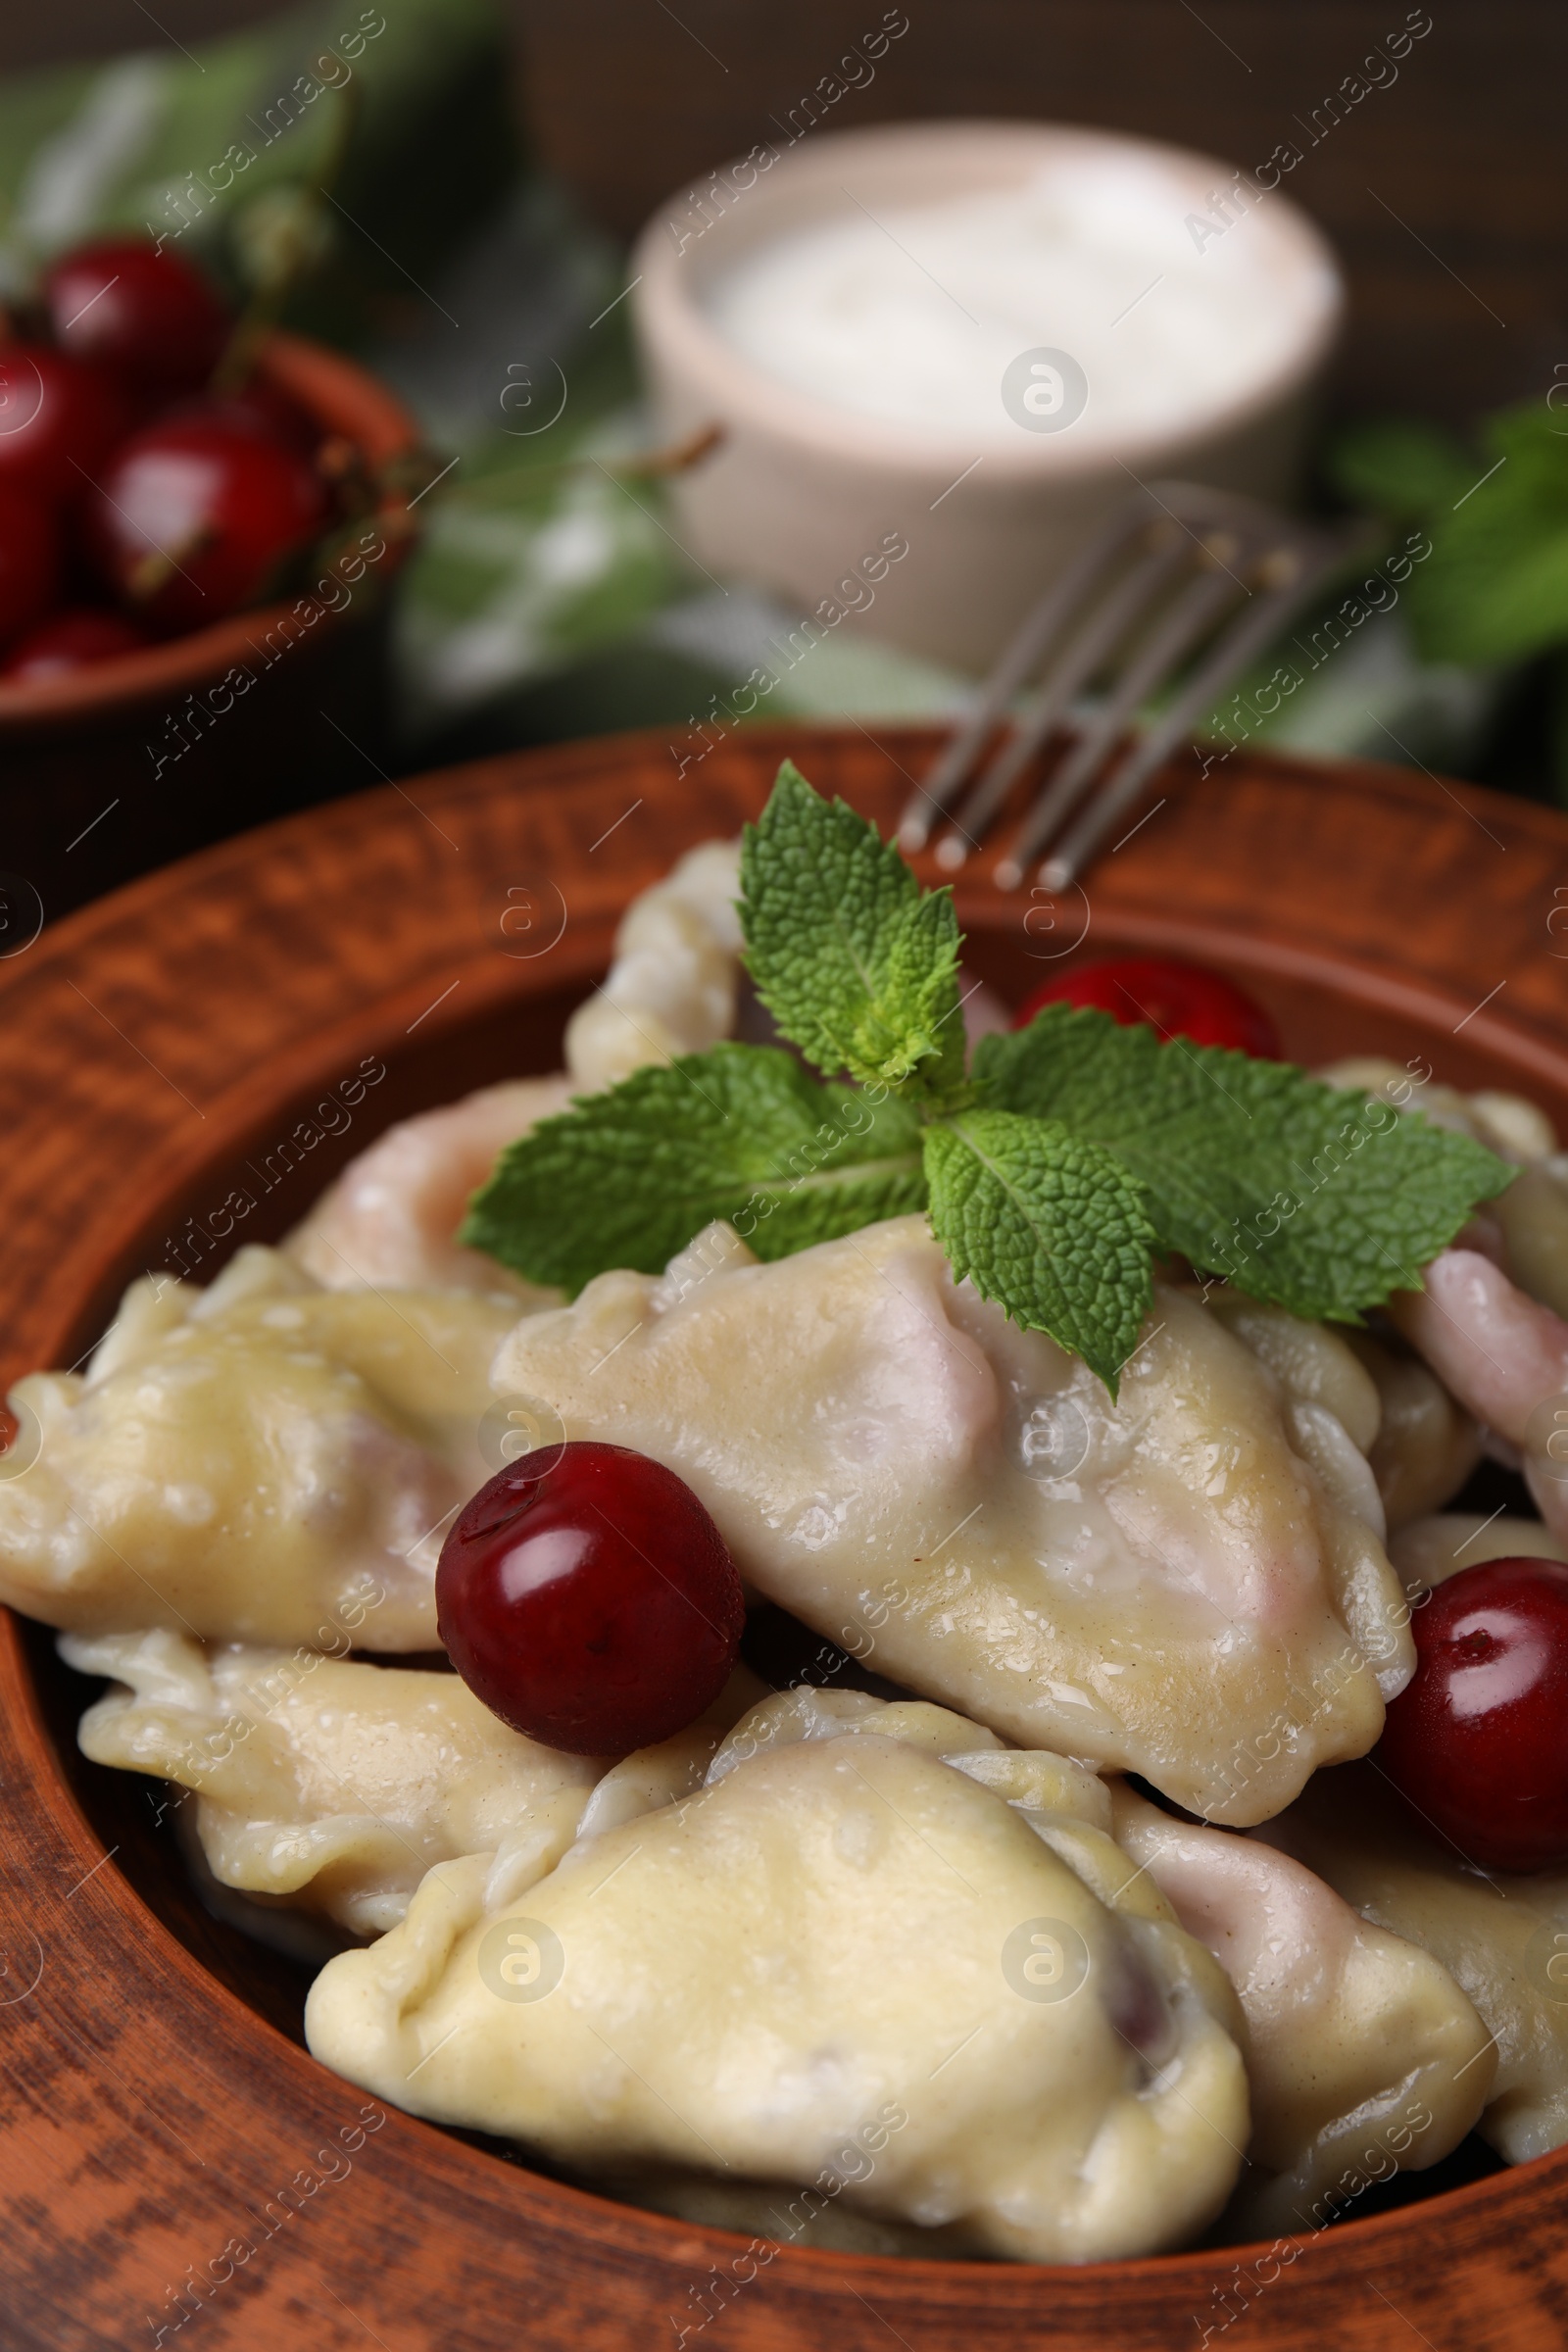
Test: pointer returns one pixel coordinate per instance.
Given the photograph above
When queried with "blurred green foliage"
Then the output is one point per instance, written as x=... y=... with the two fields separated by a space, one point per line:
x=403 y=111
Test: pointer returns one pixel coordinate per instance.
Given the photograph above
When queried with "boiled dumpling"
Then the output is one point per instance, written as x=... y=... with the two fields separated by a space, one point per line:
x=1425 y=1445
x=1430 y=1550
x=1505 y=1357
x=1363 y=2056
x=390 y=1220
x=673 y=985
x=329 y=1783
x=1376 y=1425
x=847 y=1959
x=333 y=1786
x=1503 y=1938
x=261 y=1461
x=1168 y=1585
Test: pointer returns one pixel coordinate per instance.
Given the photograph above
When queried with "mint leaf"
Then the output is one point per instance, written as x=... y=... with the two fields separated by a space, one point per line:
x=1050 y=1226
x=626 y=1178
x=1401 y=467
x=855 y=965
x=1320 y=1201
x=1494 y=588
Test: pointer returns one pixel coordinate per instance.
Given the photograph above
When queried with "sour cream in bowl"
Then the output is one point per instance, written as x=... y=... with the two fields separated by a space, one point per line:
x=966 y=339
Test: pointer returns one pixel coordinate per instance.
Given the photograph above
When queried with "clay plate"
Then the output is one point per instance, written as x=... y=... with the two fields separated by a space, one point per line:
x=155 y=2094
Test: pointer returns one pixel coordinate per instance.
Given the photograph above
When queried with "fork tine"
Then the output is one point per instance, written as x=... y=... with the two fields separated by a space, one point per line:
x=1107 y=623
x=1190 y=616
x=1308 y=560
x=928 y=802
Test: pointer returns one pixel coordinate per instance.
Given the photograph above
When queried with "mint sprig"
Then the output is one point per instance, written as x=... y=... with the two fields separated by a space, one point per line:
x=1318 y=1201
x=627 y=1177
x=859 y=968
x=1031 y=1212
x=1072 y=1150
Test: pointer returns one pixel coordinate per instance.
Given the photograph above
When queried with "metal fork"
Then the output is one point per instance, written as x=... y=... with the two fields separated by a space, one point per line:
x=1152 y=586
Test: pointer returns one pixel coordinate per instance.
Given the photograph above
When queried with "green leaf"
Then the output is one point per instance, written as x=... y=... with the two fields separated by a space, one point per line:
x=1495 y=587
x=854 y=963
x=1401 y=467
x=1050 y=1226
x=627 y=1177
x=1320 y=1200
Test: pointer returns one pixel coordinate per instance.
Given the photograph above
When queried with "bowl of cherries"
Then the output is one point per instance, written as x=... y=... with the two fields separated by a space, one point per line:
x=196 y=524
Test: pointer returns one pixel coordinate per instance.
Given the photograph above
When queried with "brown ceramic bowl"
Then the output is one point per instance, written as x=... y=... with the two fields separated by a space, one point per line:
x=159 y=750
x=155 y=2094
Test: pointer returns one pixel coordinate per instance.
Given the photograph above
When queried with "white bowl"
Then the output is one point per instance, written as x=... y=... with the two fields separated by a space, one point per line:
x=806 y=496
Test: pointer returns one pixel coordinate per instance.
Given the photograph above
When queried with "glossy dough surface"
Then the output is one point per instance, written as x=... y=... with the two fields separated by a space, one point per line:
x=1363 y=2055
x=671 y=988
x=1170 y=1585
x=803 y=1974
x=1505 y=1356
x=261 y=1461
x=1503 y=1939
x=390 y=1221
x=326 y=1781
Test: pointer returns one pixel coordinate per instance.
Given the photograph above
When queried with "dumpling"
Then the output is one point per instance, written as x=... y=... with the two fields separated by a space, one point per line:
x=1430 y=1550
x=392 y=1216
x=1533 y=1214
x=1167 y=1586
x=844 y=1961
x=1355 y=1404
x=671 y=988
x=1425 y=1445
x=390 y=1220
x=333 y=1786
x=261 y=1461
x=321 y=1781
x=1505 y=1357
x=1503 y=1938
x=1363 y=2055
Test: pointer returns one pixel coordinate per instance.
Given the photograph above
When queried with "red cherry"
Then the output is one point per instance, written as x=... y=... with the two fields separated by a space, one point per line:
x=1180 y=999
x=29 y=557
x=589 y=1601
x=70 y=640
x=58 y=419
x=260 y=407
x=196 y=517
x=1478 y=1740
x=146 y=316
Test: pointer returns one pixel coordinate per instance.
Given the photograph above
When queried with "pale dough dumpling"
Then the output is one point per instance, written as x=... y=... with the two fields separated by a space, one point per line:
x=1430 y=1550
x=327 y=1783
x=1394 y=1419
x=1505 y=1356
x=1167 y=1586
x=332 y=1786
x=1427 y=1445
x=261 y=1461
x=843 y=1958
x=673 y=985
x=1503 y=1938
x=391 y=1219
x=1533 y=1214
x=1363 y=2055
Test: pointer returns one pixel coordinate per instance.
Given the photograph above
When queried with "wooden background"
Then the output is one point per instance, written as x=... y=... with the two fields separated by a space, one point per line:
x=1447 y=192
